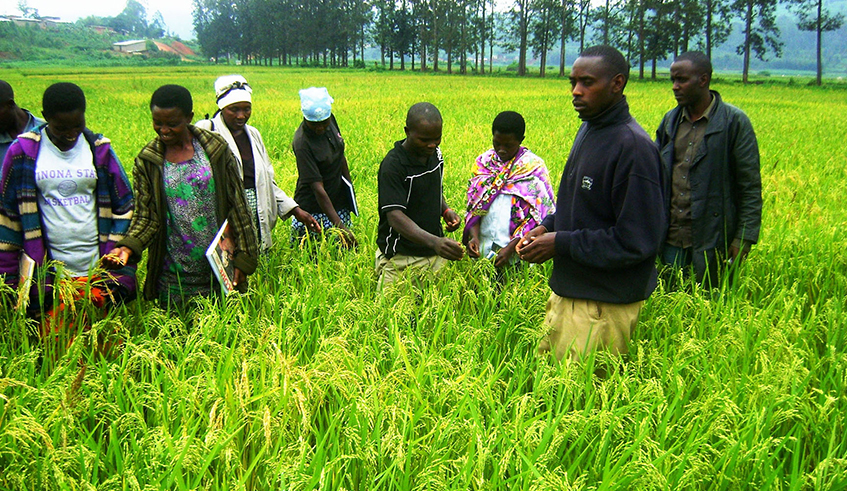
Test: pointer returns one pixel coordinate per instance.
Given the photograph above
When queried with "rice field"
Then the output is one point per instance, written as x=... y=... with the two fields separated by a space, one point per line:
x=314 y=381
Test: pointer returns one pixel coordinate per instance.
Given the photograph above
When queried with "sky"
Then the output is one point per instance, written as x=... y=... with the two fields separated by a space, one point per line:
x=177 y=13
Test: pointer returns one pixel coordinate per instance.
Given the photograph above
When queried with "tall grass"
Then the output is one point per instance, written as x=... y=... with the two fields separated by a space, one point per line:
x=312 y=380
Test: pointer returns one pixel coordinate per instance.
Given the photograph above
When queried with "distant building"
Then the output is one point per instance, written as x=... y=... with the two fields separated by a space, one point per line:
x=101 y=29
x=43 y=22
x=134 y=46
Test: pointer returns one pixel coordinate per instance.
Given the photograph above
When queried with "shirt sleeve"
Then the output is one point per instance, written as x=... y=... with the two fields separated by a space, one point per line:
x=393 y=193
x=307 y=165
x=11 y=231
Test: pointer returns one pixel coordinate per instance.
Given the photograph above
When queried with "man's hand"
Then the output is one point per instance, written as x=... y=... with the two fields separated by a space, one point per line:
x=116 y=258
x=738 y=254
x=537 y=246
x=529 y=237
x=452 y=219
x=448 y=248
x=307 y=219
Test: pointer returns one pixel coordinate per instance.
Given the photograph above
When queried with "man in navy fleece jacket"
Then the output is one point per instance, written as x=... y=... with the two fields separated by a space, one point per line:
x=610 y=218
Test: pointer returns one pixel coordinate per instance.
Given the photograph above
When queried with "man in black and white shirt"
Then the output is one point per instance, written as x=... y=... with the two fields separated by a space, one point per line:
x=411 y=201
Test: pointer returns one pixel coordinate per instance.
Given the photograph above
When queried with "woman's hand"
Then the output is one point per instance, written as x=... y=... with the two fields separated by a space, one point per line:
x=116 y=258
x=348 y=240
x=473 y=247
x=307 y=219
x=239 y=277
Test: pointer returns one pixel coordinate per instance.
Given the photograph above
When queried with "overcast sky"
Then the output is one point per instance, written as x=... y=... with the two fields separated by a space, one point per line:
x=177 y=13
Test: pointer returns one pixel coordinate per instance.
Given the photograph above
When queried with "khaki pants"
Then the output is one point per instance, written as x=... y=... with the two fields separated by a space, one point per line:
x=577 y=327
x=389 y=270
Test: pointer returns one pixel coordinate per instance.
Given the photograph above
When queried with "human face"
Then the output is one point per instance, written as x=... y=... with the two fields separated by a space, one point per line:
x=689 y=87
x=171 y=124
x=64 y=129
x=317 y=127
x=236 y=115
x=592 y=88
x=423 y=138
x=7 y=116
x=506 y=145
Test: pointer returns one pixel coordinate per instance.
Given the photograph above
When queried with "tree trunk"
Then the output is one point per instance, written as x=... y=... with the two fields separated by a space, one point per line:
x=522 y=26
x=709 y=8
x=423 y=49
x=463 y=61
x=435 y=40
x=819 y=78
x=482 y=40
x=563 y=41
x=748 y=26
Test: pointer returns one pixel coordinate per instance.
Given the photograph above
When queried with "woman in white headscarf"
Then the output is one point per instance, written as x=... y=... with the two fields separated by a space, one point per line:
x=324 y=187
x=266 y=200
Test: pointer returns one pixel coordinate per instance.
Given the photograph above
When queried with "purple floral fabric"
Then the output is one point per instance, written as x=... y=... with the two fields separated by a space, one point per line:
x=525 y=178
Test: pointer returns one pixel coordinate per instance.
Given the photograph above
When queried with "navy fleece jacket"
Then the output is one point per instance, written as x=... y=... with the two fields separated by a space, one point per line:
x=610 y=216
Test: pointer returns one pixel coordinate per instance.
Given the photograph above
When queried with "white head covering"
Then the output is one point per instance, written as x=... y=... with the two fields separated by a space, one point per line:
x=316 y=103
x=230 y=89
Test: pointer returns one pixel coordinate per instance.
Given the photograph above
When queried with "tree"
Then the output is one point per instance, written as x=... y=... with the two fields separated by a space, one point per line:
x=545 y=30
x=215 y=26
x=132 y=20
x=583 y=18
x=717 y=24
x=518 y=32
x=567 y=23
x=760 y=31
x=813 y=17
x=27 y=12
x=157 y=28
x=659 y=33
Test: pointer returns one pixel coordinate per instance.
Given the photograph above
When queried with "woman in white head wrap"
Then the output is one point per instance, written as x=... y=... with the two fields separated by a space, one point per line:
x=267 y=201
x=322 y=167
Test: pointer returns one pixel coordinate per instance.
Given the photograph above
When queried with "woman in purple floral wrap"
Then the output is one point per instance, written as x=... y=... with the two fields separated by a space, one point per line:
x=509 y=193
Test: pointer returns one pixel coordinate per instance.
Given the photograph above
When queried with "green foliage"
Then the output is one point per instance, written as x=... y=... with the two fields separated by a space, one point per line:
x=314 y=381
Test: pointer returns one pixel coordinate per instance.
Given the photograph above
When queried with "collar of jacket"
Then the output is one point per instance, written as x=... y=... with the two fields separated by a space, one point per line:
x=212 y=143
x=617 y=113
x=717 y=120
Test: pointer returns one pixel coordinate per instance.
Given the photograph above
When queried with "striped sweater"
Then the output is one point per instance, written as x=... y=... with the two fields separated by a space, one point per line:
x=20 y=218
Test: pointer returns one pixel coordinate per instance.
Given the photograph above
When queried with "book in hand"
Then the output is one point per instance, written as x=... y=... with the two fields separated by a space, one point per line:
x=220 y=254
x=26 y=269
x=354 y=205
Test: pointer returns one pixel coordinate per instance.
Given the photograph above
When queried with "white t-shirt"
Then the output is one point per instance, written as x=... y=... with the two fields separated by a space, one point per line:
x=67 y=184
x=494 y=227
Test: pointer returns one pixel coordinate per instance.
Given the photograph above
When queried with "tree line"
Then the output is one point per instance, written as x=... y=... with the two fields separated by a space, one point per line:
x=460 y=35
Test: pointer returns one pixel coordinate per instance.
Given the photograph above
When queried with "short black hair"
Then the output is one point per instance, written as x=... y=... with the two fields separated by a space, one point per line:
x=168 y=96
x=612 y=58
x=509 y=123
x=6 y=92
x=422 y=111
x=700 y=61
x=62 y=97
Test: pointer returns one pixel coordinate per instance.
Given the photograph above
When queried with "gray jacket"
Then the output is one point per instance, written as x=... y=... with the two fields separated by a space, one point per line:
x=272 y=201
x=726 y=186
